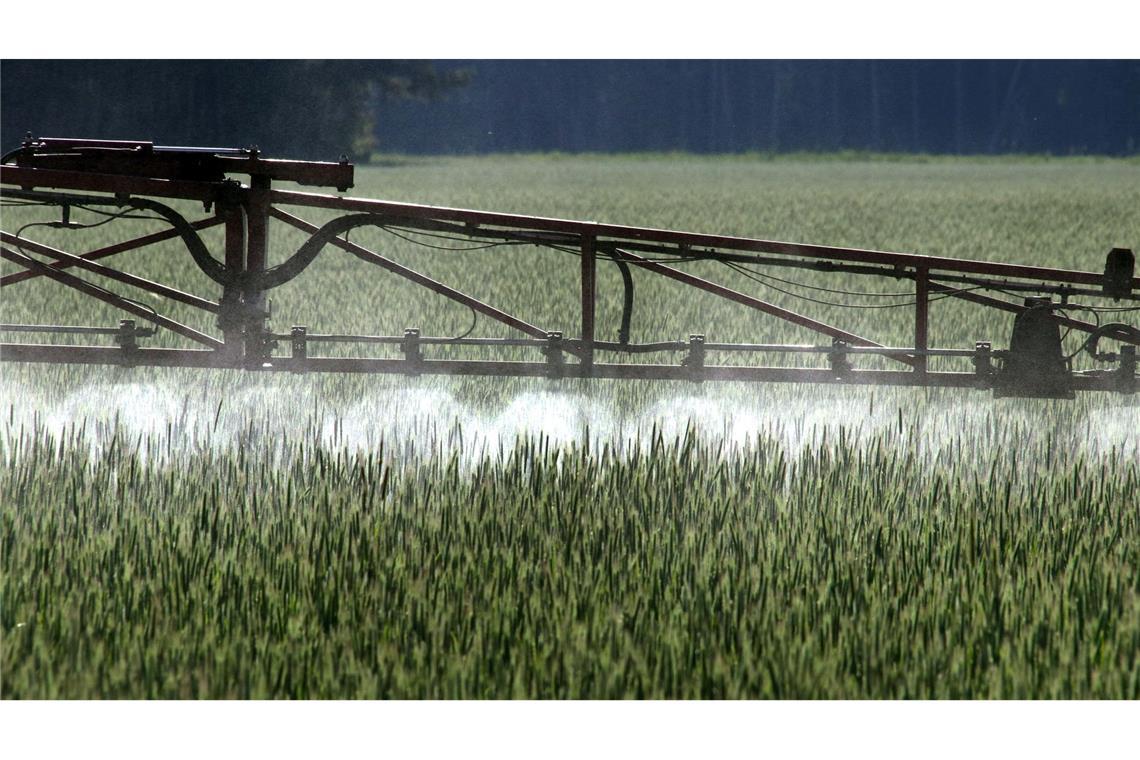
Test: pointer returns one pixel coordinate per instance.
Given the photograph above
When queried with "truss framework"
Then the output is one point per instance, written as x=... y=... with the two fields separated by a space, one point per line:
x=141 y=176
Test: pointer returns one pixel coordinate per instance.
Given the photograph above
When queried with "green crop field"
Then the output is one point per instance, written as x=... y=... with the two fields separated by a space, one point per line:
x=186 y=533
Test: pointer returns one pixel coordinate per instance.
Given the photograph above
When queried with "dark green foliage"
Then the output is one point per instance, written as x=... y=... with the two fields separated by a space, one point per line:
x=290 y=108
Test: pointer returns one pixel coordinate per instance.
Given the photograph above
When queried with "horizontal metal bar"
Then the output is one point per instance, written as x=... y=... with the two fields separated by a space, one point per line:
x=166 y=357
x=396 y=339
x=621 y=232
x=111 y=250
x=630 y=371
x=108 y=297
x=203 y=165
x=632 y=348
x=755 y=303
x=68 y=329
x=113 y=274
x=72 y=143
x=639 y=348
x=873 y=350
x=38 y=353
x=207 y=192
x=420 y=279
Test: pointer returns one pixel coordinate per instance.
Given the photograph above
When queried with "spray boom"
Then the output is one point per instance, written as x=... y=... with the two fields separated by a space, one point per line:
x=237 y=192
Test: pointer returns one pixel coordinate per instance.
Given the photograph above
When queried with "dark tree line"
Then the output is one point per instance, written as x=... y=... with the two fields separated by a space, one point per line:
x=321 y=109
x=934 y=106
x=316 y=109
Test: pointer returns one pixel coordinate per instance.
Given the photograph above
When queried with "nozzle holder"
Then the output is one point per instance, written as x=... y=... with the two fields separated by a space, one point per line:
x=299 y=342
x=126 y=337
x=410 y=345
x=695 y=359
x=838 y=357
x=555 y=359
x=299 y=346
x=983 y=363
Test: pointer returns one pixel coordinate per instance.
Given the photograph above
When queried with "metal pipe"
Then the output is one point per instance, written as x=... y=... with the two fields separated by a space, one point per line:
x=108 y=272
x=111 y=250
x=110 y=298
x=921 y=316
x=63 y=329
x=420 y=279
x=589 y=288
x=167 y=357
x=1131 y=335
x=620 y=232
x=756 y=303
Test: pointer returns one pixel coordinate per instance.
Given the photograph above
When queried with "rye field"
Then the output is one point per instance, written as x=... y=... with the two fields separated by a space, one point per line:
x=195 y=534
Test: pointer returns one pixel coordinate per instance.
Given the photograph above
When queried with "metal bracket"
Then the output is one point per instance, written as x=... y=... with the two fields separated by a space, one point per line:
x=411 y=348
x=259 y=347
x=983 y=363
x=127 y=339
x=555 y=359
x=299 y=346
x=695 y=359
x=1036 y=366
x=1119 y=269
x=1126 y=372
x=837 y=357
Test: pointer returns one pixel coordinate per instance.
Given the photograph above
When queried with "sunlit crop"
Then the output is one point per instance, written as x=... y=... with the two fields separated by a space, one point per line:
x=184 y=533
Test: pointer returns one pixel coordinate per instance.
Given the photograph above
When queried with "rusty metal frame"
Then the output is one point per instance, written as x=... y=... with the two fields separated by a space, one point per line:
x=125 y=173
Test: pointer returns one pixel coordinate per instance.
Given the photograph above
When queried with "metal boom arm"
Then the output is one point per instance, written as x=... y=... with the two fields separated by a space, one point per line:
x=131 y=175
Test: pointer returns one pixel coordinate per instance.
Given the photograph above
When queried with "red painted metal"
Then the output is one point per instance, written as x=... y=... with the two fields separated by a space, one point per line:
x=420 y=279
x=755 y=303
x=1122 y=334
x=921 y=316
x=589 y=298
x=124 y=169
x=30 y=179
x=113 y=274
x=407 y=211
x=110 y=298
x=112 y=250
x=144 y=159
x=167 y=357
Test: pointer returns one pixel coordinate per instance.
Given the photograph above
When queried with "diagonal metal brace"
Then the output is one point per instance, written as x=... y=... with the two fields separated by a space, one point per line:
x=756 y=303
x=108 y=297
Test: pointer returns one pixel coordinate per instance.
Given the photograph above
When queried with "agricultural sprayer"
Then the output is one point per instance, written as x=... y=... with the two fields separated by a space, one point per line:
x=238 y=191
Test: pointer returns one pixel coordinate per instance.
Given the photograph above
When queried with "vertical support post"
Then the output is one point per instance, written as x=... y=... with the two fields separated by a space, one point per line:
x=411 y=348
x=921 y=317
x=1126 y=374
x=229 y=319
x=589 y=297
x=256 y=254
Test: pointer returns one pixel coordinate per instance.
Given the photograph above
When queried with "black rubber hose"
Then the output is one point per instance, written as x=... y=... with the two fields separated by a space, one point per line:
x=627 y=297
x=213 y=268
x=299 y=261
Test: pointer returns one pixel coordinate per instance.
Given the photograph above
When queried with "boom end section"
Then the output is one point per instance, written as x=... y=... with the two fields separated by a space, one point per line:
x=1036 y=366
